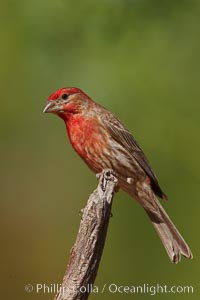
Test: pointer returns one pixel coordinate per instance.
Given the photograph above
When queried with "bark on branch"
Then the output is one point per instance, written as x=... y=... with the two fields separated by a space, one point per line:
x=86 y=253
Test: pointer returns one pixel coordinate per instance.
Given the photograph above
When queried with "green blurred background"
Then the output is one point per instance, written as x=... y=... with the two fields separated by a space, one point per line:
x=140 y=59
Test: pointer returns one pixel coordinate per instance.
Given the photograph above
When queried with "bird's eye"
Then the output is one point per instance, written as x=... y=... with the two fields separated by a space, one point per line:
x=64 y=96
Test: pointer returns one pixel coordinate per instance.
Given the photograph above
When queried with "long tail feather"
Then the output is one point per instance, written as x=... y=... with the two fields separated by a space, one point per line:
x=172 y=240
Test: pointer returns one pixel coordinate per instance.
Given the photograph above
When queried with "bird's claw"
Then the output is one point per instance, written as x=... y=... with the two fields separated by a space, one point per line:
x=105 y=176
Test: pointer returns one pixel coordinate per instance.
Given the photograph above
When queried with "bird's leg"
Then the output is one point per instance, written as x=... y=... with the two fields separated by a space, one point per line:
x=107 y=175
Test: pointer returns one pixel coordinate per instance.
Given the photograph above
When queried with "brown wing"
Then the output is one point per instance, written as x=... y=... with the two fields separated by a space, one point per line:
x=125 y=138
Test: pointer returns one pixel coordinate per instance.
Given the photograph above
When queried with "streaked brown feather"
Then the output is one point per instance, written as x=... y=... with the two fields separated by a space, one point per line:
x=123 y=136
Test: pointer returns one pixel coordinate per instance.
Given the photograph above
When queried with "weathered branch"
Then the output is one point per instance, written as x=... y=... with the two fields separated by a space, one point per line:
x=86 y=253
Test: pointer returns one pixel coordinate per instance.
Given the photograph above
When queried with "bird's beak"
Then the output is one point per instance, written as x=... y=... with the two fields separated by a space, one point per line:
x=48 y=107
x=52 y=107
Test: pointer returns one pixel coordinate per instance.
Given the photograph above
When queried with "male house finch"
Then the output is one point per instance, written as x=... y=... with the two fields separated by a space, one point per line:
x=103 y=142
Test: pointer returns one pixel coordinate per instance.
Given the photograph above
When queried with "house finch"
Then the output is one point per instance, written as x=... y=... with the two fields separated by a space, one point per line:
x=103 y=142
